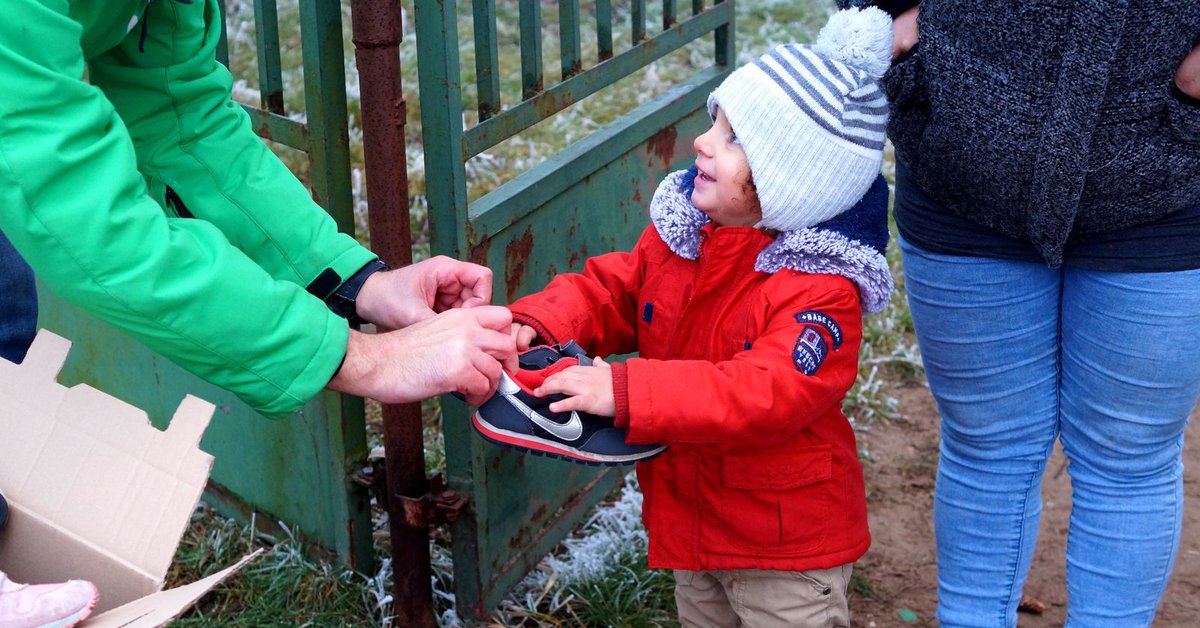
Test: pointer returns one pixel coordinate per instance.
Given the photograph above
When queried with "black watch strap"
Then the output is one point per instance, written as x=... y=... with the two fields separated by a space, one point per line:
x=895 y=7
x=343 y=301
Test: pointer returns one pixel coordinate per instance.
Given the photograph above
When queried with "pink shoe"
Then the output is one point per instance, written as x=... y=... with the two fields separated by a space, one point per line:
x=59 y=605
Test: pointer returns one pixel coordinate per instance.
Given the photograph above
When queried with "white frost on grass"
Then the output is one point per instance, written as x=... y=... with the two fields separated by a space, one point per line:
x=614 y=531
x=599 y=547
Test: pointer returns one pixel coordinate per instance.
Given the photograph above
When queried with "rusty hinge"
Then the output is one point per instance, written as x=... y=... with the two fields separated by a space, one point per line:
x=438 y=506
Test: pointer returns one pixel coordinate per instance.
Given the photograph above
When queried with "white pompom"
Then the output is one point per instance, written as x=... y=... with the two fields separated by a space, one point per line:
x=860 y=38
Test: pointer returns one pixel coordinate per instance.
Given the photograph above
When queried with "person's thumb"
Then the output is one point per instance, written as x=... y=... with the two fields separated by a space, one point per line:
x=492 y=317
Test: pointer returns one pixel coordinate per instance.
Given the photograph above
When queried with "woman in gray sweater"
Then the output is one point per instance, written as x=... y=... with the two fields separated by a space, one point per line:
x=1048 y=201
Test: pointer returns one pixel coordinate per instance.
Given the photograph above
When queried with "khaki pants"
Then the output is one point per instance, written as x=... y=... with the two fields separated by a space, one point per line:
x=753 y=598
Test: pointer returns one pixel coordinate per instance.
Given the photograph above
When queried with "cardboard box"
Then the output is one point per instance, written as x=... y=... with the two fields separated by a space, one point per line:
x=97 y=493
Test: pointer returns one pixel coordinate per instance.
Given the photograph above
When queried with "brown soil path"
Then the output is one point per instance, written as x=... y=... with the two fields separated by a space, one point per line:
x=900 y=566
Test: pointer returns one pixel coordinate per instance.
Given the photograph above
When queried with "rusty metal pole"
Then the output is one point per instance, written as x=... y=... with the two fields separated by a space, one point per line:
x=377 y=32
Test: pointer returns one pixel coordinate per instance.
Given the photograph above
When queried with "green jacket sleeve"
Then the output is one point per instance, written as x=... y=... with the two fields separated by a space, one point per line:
x=174 y=98
x=223 y=294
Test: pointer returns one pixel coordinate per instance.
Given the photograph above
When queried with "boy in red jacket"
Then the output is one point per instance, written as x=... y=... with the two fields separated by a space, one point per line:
x=744 y=300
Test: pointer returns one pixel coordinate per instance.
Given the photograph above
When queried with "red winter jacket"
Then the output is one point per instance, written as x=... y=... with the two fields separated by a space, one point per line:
x=742 y=373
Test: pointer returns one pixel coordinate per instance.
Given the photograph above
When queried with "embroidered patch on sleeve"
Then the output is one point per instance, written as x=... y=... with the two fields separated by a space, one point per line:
x=810 y=350
x=824 y=320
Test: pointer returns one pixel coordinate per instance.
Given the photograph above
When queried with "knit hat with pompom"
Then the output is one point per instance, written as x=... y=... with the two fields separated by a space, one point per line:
x=812 y=118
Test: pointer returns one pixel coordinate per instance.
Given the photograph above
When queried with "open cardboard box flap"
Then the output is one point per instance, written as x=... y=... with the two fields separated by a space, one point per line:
x=95 y=492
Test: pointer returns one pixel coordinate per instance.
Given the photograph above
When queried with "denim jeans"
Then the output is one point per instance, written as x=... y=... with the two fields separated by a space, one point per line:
x=18 y=303
x=1018 y=354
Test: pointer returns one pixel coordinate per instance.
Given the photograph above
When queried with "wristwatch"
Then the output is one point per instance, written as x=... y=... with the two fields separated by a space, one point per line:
x=343 y=301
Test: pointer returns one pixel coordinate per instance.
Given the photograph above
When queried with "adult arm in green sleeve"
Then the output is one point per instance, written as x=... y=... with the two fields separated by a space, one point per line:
x=174 y=97
x=73 y=203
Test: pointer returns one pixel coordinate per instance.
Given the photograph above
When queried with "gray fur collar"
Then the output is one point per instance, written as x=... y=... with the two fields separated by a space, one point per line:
x=812 y=250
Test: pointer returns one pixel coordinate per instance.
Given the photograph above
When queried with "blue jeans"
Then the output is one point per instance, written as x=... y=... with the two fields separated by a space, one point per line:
x=1018 y=354
x=18 y=304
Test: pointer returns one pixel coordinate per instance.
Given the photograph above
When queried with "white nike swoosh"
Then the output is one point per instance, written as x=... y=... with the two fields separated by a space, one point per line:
x=569 y=431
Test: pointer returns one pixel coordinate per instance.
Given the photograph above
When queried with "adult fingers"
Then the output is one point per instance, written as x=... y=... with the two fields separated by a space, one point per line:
x=486 y=369
x=473 y=301
x=481 y=287
x=499 y=346
x=487 y=366
x=476 y=389
x=469 y=281
x=461 y=299
x=492 y=317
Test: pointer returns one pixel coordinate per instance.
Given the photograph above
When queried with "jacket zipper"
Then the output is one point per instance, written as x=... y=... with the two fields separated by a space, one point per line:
x=687 y=307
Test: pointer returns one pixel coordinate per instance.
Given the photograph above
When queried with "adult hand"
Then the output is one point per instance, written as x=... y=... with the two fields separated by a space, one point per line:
x=461 y=350
x=590 y=389
x=398 y=298
x=904 y=32
x=523 y=335
x=1187 y=77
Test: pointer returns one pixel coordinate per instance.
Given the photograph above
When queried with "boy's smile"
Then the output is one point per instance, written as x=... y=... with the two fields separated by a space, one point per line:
x=723 y=189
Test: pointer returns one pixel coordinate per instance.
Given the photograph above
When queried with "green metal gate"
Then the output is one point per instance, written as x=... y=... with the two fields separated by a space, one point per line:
x=297 y=470
x=589 y=199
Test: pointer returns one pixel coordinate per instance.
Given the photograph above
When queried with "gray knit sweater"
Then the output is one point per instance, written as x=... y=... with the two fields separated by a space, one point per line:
x=1044 y=118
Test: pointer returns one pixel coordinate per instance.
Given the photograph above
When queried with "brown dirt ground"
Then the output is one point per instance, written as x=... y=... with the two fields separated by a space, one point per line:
x=900 y=566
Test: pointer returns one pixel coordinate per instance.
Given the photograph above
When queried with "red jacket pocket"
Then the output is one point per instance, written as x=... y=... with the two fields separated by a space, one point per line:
x=774 y=504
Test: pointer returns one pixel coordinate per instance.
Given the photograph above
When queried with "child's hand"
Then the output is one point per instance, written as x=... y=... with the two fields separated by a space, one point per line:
x=589 y=388
x=523 y=334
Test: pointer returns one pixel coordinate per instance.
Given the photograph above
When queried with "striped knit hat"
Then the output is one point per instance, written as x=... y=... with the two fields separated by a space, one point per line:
x=811 y=119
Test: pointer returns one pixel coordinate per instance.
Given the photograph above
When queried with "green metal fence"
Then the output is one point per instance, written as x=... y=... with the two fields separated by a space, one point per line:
x=299 y=470
x=589 y=199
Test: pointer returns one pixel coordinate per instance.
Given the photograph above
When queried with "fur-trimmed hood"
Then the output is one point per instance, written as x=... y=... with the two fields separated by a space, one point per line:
x=851 y=244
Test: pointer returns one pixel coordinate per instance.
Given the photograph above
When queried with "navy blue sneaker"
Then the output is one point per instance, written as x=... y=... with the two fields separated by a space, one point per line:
x=516 y=418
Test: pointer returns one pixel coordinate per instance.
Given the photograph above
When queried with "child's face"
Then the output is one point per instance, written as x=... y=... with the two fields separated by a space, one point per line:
x=723 y=188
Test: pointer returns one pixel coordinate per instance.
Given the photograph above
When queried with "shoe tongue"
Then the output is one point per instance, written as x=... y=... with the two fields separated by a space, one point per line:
x=544 y=356
x=572 y=349
x=539 y=357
